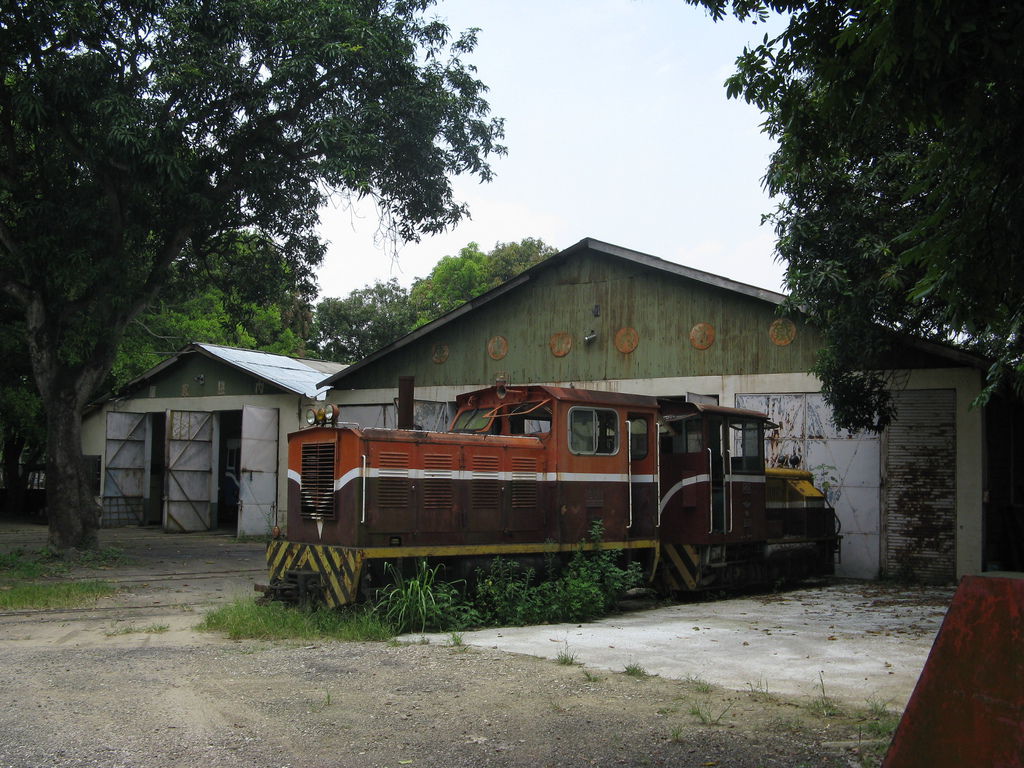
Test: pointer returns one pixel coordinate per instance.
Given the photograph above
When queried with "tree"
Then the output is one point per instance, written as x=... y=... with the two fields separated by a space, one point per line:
x=366 y=320
x=900 y=167
x=22 y=435
x=132 y=131
x=457 y=279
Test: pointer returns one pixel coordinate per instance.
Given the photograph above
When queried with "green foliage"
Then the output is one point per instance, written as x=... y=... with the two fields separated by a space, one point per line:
x=349 y=329
x=457 y=279
x=141 y=139
x=633 y=669
x=65 y=594
x=587 y=587
x=901 y=175
x=419 y=602
x=245 y=619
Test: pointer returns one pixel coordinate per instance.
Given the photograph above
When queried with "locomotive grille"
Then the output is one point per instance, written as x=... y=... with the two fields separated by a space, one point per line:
x=317 y=494
x=524 y=483
x=438 y=493
x=393 y=485
x=485 y=488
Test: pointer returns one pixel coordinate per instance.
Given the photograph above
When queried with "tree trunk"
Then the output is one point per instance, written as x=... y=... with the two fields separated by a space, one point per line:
x=15 y=476
x=72 y=510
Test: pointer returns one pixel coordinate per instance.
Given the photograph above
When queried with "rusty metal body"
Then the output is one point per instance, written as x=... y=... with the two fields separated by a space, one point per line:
x=527 y=471
x=968 y=705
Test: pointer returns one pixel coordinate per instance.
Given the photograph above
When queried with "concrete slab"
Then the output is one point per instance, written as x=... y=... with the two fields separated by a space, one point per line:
x=866 y=641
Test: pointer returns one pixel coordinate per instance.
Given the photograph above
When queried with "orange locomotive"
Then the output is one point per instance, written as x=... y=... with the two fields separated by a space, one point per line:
x=524 y=472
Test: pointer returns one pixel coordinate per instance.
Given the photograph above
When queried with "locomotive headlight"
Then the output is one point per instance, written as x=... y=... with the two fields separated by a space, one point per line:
x=310 y=416
x=330 y=413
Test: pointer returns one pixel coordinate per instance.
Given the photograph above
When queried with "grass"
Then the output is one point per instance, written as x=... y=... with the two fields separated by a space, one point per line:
x=566 y=657
x=824 y=705
x=151 y=629
x=38 y=579
x=699 y=684
x=590 y=677
x=759 y=691
x=703 y=712
x=455 y=640
x=245 y=619
x=72 y=594
x=880 y=722
x=635 y=670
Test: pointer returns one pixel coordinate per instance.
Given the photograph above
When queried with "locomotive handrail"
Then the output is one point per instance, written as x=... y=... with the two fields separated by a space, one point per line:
x=629 y=470
x=362 y=521
x=496 y=410
x=711 y=493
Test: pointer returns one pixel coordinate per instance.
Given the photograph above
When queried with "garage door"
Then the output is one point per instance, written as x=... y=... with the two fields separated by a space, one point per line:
x=920 y=487
x=846 y=466
x=125 y=473
x=257 y=482
x=190 y=459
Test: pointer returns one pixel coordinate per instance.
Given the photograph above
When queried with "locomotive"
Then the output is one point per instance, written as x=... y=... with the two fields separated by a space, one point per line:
x=524 y=473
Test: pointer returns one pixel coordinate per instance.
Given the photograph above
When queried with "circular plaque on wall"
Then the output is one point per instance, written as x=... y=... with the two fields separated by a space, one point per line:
x=440 y=353
x=626 y=340
x=497 y=347
x=702 y=335
x=782 y=332
x=560 y=344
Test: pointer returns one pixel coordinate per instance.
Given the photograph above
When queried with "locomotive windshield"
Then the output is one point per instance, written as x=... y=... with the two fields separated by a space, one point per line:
x=473 y=420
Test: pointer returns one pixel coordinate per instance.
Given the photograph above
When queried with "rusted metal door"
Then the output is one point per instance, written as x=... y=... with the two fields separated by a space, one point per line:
x=257 y=482
x=126 y=468
x=920 y=486
x=190 y=471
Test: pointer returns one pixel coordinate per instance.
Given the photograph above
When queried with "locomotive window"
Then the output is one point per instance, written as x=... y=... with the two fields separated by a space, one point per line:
x=471 y=421
x=692 y=439
x=747 y=448
x=637 y=438
x=593 y=431
x=529 y=419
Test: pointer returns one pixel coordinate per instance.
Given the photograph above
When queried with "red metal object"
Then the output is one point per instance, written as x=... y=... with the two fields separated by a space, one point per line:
x=968 y=706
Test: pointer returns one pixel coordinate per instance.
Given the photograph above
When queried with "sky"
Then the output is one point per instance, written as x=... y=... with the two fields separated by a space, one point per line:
x=617 y=127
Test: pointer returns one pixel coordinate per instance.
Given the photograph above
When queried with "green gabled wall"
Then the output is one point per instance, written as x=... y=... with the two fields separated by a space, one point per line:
x=560 y=298
x=179 y=380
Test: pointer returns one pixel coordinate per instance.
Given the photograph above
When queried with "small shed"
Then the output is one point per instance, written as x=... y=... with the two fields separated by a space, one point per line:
x=198 y=442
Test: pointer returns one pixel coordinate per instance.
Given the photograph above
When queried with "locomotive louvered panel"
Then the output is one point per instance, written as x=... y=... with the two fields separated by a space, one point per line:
x=393 y=484
x=920 y=487
x=524 y=482
x=438 y=489
x=317 y=490
x=485 y=482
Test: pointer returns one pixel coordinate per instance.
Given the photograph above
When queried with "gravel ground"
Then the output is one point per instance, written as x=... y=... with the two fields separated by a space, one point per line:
x=93 y=688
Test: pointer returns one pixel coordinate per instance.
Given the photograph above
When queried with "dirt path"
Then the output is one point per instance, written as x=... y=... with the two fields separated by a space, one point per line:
x=81 y=690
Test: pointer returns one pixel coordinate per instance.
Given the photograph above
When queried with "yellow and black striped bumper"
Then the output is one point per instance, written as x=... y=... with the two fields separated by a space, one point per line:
x=339 y=568
x=680 y=566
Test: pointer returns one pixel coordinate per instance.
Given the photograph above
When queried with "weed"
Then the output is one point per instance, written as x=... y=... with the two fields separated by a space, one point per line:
x=151 y=629
x=421 y=601
x=881 y=722
x=824 y=705
x=703 y=712
x=588 y=586
x=327 y=699
x=244 y=618
x=590 y=677
x=760 y=692
x=635 y=670
x=699 y=684
x=566 y=657
x=455 y=640
x=677 y=734
x=20 y=596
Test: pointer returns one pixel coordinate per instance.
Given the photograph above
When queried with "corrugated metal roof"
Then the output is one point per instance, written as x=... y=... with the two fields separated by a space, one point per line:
x=295 y=375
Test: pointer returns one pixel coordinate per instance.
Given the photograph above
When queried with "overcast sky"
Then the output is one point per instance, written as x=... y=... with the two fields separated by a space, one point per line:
x=617 y=128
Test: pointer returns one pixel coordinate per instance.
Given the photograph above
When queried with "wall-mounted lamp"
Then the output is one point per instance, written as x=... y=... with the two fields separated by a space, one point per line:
x=591 y=337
